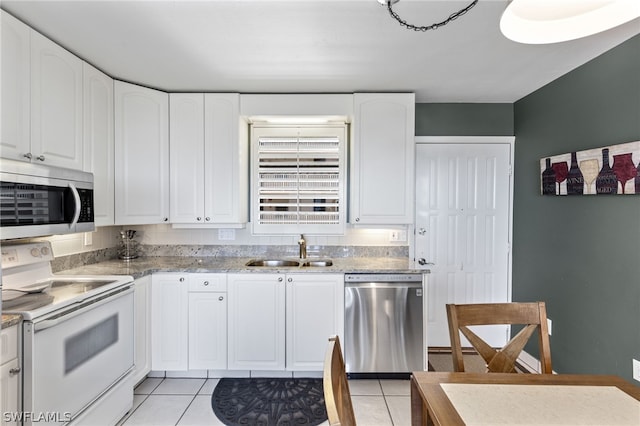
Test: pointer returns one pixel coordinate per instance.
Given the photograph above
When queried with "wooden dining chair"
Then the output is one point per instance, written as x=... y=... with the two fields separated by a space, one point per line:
x=336 y=387
x=532 y=315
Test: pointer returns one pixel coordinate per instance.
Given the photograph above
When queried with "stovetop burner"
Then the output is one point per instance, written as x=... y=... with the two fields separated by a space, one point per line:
x=48 y=293
x=31 y=289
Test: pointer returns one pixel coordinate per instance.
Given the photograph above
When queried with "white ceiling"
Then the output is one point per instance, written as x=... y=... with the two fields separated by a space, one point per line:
x=310 y=46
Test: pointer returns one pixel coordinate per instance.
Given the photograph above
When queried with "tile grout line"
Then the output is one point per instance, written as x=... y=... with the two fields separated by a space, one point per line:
x=186 y=409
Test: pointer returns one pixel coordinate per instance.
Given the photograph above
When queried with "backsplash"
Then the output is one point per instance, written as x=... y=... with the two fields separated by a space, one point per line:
x=62 y=263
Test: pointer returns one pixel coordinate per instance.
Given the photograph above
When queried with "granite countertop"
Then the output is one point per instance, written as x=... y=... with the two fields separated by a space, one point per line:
x=147 y=265
x=9 y=320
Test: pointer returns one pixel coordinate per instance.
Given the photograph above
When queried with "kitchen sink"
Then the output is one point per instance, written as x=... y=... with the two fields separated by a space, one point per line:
x=273 y=262
x=290 y=263
x=317 y=263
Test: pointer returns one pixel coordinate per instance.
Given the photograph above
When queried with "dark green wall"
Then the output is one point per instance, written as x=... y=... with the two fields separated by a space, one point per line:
x=581 y=254
x=464 y=119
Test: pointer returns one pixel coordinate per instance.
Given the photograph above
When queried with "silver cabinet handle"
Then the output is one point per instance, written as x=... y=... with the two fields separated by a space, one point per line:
x=290 y=279
x=207 y=219
x=198 y=219
x=14 y=371
x=166 y=219
x=422 y=231
x=422 y=261
x=357 y=219
x=40 y=157
x=28 y=156
x=279 y=279
x=206 y=283
x=181 y=279
x=221 y=298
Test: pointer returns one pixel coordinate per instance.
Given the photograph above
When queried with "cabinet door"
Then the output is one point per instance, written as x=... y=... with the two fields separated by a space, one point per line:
x=142 y=332
x=141 y=155
x=15 y=140
x=226 y=156
x=9 y=388
x=187 y=195
x=256 y=321
x=169 y=322
x=56 y=104
x=315 y=311
x=207 y=331
x=382 y=160
x=99 y=141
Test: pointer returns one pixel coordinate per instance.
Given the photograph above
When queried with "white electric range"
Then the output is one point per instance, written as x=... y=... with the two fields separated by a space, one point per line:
x=77 y=339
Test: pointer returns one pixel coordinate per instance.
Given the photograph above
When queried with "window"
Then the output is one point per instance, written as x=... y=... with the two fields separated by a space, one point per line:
x=298 y=179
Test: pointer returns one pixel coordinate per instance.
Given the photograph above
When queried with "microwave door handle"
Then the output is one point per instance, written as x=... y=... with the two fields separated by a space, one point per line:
x=76 y=199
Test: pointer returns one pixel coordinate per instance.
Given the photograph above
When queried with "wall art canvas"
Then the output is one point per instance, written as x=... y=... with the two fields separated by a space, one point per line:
x=601 y=171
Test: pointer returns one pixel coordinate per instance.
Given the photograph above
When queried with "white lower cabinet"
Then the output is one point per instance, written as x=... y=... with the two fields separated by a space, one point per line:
x=9 y=375
x=207 y=321
x=142 y=332
x=256 y=321
x=259 y=336
x=169 y=319
x=189 y=321
x=242 y=321
x=315 y=311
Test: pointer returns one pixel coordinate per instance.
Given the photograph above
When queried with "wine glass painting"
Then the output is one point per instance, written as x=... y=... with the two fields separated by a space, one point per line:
x=609 y=170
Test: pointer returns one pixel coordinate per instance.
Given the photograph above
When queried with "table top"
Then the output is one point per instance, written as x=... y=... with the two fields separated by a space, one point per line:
x=527 y=399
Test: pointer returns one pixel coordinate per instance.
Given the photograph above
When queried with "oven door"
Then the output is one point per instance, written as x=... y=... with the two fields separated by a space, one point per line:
x=72 y=357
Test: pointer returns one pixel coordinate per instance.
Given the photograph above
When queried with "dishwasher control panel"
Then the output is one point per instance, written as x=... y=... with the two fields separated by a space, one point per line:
x=382 y=278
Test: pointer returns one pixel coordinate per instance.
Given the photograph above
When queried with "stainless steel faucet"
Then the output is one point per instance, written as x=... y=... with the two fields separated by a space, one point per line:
x=303 y=247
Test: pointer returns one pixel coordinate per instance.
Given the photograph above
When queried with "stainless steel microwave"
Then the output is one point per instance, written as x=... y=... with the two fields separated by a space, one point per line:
x=38 y=200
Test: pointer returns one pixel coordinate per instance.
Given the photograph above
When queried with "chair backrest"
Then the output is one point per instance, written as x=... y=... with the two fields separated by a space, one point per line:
x=336 y=388
x=532 y=315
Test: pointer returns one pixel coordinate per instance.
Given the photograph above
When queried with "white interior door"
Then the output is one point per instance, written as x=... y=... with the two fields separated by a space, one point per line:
x=463 y=211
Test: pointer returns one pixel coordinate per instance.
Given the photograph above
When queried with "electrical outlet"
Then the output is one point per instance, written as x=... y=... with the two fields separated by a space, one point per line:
x=397 y=235
x=549 y=325
x=88 y=238
x=636 y=370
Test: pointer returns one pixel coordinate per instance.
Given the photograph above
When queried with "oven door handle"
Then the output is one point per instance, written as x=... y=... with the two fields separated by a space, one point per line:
x=76 y=199
x=79 y=308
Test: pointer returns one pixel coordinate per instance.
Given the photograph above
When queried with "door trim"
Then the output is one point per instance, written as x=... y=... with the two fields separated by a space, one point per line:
x=508 y=140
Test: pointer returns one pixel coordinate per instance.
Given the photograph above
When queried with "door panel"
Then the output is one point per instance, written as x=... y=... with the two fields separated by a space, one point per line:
x=462 y=229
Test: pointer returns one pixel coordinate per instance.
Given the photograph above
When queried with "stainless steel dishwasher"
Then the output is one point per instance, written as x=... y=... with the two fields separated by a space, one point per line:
x=384 y=326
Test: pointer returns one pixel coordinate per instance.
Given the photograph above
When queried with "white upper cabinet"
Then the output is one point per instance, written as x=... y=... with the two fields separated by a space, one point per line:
x=186 y=157
x=141 y=155
x=208 y=159
x=41 y=98
x=227 y=159
x=99 y=141
x=382 y=159
x=56 y=104
x=15 y=140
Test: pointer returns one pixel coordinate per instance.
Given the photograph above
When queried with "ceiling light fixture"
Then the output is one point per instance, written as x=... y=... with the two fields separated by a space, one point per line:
x=433 y=26
x=553 y=21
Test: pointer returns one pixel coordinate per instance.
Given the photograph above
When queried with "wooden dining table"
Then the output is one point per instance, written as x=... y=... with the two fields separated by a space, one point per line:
x=451 y=399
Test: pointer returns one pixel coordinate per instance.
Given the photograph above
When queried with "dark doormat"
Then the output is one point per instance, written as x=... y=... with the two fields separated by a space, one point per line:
x=269 y=401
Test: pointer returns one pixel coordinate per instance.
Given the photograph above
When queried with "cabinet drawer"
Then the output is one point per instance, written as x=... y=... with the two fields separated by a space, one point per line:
x=207 y=282
x=8 y=344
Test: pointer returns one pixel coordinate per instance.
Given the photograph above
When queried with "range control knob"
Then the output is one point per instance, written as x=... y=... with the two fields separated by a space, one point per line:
x=35 y=252
x=44 y=251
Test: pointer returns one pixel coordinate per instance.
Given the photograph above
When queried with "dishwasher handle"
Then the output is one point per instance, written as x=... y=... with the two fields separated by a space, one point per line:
x=383 y=285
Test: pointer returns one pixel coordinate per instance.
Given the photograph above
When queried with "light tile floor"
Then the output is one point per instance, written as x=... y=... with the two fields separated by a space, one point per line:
x=170 y=401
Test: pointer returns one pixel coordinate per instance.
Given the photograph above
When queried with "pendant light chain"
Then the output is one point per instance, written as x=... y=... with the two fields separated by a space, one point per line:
x=434 y=26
